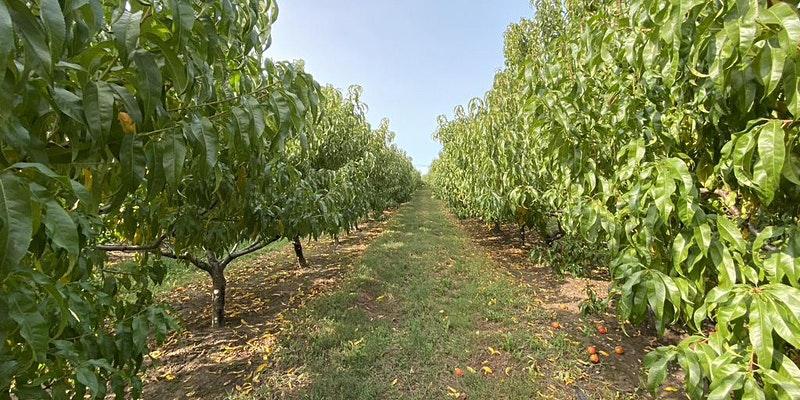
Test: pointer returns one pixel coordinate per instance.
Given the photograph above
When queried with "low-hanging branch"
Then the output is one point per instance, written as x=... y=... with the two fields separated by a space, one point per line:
x=157 y=247
x=128 y=248
x=252 y=248
x=186 y=257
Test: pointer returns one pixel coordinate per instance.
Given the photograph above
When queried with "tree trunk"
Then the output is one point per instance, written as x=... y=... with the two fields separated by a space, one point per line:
x=496 y=228
x=218 y=296
x=336 y=240
x=357 y=228
x=522 y=234
x=298 y=250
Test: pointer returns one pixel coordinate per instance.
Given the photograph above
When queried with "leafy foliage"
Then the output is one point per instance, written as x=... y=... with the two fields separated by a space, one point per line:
x=667 y=131
x=154 y=127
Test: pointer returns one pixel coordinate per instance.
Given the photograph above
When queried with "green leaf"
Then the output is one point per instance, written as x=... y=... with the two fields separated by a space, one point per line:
x=791 y=87
x=131 y=106
x=730 y=233
x=54 y=24
x=174 y=156
x=87 y=377
x=32 y=36
x=722 y=389
x=791 y=169
x=784 y=323
x=69 y=103
x=760 y=329
x=782 y=14
x=98 y=103
x=663 y=189
x=183 y=18
x=752 y=391
x=770 y=65
x=126 y=32
x=657 y=363
x=177 y=67
x=16 y=222
x=6 y=38
x=724 y=263
x=133 y=161
x=742 y=156
x=772 y=155
x=140 y=331
x=149 y=81
x=702 y=236
x=32 y=325
x=785 y=389
x=203 y=132
x=61 y=228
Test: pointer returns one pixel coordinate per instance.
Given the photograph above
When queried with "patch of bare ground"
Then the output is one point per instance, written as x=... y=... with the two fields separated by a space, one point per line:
x=619 y=376
x=199 y=362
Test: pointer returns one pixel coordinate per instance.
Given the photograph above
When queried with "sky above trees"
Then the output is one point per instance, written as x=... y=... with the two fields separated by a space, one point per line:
x=416 y=59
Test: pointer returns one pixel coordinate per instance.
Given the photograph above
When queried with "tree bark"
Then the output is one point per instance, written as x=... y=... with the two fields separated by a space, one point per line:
x=298 y=250
x=218 y=295
x=496 y=228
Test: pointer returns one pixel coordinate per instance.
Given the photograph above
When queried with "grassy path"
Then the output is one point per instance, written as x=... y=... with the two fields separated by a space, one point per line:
x=423 y=301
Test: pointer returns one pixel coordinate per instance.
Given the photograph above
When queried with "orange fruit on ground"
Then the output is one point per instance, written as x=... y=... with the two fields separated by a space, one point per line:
x=594 y=358
x=459 y=372
x=555 y=325
x=591 y=350
x=619 y=350
x=602 y=329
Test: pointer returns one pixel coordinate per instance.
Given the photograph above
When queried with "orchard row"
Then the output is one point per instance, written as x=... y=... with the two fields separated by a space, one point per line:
x=664 y=134
x=159 y=129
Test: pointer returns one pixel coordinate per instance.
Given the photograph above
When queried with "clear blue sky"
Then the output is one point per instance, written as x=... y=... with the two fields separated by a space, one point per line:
x=416 y=59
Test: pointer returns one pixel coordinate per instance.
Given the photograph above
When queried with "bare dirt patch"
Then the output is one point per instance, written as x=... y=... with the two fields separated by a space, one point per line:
x=561 y=297
x=203 y=363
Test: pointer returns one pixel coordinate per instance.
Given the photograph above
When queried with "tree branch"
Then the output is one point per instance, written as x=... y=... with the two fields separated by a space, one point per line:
x=734 y=211
x=187 y=257
x=755 y=232
x=132 y=248
x=560 y=234
x=252 y=248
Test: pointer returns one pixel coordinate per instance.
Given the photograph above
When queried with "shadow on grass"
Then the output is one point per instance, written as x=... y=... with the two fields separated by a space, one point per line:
x=204 y=363
x=409 y=314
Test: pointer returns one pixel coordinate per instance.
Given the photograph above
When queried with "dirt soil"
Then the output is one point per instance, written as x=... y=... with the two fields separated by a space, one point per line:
x=562 y=297
x=199 y=362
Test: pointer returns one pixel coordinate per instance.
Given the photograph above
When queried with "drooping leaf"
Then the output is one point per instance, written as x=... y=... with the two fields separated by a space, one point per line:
x=32 y=325
x=729 y=232
x=772 y=156
x=6 y=38
x=149 y=81
x=16 y=228
x=133 y=161
x=98 y=104
x=56 y=27
x=31 y=32
x=174 y=155
x=61 y=228
x=126 y=32
x=183 y=17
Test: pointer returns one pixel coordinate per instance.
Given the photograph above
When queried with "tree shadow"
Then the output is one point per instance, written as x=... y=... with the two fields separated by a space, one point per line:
x=205 y=363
